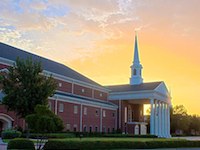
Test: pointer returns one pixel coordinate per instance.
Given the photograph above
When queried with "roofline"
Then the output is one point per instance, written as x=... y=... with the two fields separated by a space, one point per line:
x=58 y=76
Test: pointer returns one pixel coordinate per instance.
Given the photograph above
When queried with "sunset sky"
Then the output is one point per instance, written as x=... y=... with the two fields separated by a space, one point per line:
x=95 y=37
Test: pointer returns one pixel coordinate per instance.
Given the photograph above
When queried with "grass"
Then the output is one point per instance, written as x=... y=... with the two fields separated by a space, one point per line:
x=108 y=139
x=117 y=139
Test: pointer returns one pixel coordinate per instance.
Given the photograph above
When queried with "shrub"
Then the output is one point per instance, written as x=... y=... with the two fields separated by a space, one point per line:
x=10 y=134
x=21 y=144
x=85 y=145
x=50 y=135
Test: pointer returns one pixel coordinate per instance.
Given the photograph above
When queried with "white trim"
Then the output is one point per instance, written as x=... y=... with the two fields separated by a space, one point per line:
x=134 y=122
x=79 y=101
x=81 y=96
x=4 y=70
x=7 y=116
x=5 y=61
x=68 y=79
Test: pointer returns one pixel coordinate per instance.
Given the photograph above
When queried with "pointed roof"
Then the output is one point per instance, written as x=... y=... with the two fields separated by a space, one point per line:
x=136 y=54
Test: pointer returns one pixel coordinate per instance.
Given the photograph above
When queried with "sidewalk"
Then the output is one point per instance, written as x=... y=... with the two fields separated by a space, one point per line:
x=3 y=146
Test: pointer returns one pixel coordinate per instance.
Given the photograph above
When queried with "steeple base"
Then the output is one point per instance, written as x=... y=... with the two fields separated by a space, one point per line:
x=136 y=80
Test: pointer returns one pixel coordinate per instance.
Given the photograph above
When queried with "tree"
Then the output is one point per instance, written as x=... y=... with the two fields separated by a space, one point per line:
x=194 y=126
x=25 y=86
x=179 y=119
x=43 y=121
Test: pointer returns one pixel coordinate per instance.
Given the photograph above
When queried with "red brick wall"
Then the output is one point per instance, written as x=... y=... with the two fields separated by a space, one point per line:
x=2 y=66
x=97 y=95
x=78 y=91
x=65 y=87
x=68 y=115
x=109 y=120
x=91 y=119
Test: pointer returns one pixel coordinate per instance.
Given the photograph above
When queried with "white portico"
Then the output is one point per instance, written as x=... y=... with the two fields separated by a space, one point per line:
x=135 y=95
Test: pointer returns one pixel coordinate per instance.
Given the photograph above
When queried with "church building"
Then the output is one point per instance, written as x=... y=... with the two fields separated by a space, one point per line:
x=86 y=106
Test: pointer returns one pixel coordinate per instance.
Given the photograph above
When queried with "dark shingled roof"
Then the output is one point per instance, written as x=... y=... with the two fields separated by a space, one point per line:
x=12 y=53
x=128 y=87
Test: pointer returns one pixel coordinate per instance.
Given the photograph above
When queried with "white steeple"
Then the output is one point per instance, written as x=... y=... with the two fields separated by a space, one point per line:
x=136 y=68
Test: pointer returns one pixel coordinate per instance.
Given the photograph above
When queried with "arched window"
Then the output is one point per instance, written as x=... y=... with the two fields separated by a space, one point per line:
x=134 y=71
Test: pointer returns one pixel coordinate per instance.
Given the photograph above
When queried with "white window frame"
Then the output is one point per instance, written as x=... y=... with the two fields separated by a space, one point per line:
x=104 y=113
x=61 y=107
x=85 y=111
x=75 y=109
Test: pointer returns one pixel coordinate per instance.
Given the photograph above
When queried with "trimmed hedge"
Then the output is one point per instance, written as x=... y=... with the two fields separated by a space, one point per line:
x=83 y=134
x=85 y=145
x=96 y=134
x=50 y=135
x=21 y=144
x=10 y=134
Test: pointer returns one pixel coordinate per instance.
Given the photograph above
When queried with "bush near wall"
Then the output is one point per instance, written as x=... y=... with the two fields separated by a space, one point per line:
x=83 y=134
x=95 y=145
x=50 y=135
x=97 y=134
x=21 y=144
x=10 y=134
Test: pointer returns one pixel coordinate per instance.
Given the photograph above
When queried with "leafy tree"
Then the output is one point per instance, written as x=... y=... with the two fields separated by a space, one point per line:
x=194 y=124
x=25 y=86
x=44 y=121
x=179 y=119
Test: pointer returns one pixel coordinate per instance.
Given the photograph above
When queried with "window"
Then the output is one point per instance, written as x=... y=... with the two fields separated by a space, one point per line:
x=85 y=129
x=97 y=112
x=90 y=129
x=60 y=84
x=134 y=72
x=96 y=129
x=83 y=90
x=75 y=128
x=113 y=114
x=113 y=130
x=85 y=111
x=49 y=105
x=68 y=127
x=104 y=129
x=104 y=113
x=108 y=130
x=61 y=107
x=75 y=109
x=100 y=94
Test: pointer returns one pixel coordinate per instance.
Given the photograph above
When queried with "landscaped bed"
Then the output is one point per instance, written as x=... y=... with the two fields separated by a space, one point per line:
x=87 y=143
x=117 y=143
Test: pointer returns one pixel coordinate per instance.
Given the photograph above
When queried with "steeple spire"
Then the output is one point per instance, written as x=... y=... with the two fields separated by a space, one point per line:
x=136 y=68
x=136 y=55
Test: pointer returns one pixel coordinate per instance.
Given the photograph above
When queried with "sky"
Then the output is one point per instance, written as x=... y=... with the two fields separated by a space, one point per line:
x=96 y=37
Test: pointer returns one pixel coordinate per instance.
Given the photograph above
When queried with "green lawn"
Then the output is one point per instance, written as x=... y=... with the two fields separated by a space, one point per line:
x=108 y=139
x=117 y=139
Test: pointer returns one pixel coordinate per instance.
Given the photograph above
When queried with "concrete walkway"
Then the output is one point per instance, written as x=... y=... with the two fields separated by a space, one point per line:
x=3 y=146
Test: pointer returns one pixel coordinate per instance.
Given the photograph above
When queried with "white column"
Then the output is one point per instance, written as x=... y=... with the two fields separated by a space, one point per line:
x=120 y=114
x=168 y=120
x=152 y=118
x=156 y=117
x=56 y=106
x=81 y=118
x=101 y=120
x=159 y=119
x=163 y=120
